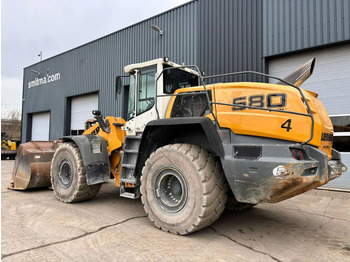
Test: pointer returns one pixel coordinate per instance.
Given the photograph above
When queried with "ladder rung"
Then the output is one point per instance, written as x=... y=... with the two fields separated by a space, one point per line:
x=129 y=166
x=132 y=151
x=131 y=181
x=133 y=137
x=128 y=195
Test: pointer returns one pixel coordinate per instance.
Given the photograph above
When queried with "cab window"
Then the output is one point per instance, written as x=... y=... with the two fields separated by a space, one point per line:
x=146 y=89
x=178 y=78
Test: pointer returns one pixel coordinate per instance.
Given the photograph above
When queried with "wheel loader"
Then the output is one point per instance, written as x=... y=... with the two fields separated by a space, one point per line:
x=8 y=147
x=189 y=148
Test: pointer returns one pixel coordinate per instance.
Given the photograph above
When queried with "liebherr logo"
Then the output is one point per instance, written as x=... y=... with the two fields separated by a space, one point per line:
x=44 y=80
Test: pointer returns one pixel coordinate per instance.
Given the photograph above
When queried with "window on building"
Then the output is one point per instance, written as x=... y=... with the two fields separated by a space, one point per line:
x=341 y=140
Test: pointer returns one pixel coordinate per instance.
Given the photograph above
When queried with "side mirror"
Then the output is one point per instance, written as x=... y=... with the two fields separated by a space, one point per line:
x=118 y=84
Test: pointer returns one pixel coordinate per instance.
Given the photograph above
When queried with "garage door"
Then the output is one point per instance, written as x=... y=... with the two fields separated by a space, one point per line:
x=81 y=108
x=331 y=80
x=41 y=126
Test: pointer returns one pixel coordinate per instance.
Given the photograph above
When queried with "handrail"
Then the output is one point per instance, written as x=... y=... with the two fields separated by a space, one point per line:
x=201 y=79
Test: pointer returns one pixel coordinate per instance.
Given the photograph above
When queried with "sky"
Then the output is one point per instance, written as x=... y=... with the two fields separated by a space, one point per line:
x=55 y=26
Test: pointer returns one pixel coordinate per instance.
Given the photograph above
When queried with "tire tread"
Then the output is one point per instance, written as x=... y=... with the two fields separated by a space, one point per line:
x=212 y=181
x=82 y=191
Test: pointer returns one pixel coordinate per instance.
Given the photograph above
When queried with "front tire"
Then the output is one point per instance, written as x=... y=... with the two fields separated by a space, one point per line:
x=68 y=175
x=183 y=188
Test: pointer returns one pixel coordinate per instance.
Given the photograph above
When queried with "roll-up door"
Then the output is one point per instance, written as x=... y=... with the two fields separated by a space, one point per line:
x=41 y=126
x=81 y=108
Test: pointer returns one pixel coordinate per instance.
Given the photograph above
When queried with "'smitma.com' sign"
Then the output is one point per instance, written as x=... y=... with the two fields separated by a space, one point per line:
x=44 y=80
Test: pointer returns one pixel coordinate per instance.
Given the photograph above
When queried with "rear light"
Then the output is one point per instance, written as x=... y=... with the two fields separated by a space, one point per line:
x=297 y=154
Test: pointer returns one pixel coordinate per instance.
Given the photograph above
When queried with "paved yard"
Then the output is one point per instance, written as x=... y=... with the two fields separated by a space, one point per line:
x=37 y=227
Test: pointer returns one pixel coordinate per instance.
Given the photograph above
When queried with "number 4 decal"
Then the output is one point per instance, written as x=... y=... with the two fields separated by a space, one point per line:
x=287 y=125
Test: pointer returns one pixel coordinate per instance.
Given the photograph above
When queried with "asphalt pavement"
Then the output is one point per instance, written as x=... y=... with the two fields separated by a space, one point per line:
x=35 y=226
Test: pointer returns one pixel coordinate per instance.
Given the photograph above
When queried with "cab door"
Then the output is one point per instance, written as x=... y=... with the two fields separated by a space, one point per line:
x=141 y=104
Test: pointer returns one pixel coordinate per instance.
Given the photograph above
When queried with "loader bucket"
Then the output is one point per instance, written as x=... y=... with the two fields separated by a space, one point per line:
x=32 y=165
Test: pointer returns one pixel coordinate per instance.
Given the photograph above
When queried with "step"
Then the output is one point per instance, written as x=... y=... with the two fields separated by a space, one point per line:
x=131 y=151
x=133 y=137
x=128 y=195
x=129 y=166
x=130 y=180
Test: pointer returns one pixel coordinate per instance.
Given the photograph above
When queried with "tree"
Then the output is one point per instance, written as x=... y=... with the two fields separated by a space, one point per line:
x=11 y=123
x=11 y=113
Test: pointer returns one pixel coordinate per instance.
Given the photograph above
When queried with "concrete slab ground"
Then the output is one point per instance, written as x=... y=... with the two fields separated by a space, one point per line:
x=35 y=226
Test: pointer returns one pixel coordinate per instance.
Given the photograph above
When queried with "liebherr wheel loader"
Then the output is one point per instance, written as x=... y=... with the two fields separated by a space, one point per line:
x=186 y=146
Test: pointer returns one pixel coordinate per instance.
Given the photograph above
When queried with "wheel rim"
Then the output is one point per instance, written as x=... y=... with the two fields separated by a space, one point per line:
x=65 y=174
x=170 y=190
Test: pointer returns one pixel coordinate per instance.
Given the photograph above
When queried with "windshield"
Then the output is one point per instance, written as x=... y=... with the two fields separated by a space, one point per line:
x=131 y=102
x=178 y=78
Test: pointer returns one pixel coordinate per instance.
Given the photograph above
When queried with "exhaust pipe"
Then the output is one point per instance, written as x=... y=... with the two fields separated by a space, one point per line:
x=300 y=75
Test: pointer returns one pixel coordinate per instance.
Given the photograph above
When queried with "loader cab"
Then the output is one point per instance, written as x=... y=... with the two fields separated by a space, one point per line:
x=151 y=86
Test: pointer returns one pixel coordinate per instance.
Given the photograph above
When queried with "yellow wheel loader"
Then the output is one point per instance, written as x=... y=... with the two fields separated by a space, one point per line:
x=188 y=148
x=8 y=147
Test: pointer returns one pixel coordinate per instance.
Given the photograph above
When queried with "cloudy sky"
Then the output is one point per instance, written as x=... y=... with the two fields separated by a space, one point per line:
x=55 y=26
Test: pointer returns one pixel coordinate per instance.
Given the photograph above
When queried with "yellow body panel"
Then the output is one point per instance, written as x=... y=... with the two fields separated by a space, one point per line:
x=266 y=123
x=13 y=146
x=116 y=136
x=115 y=140
x=115 y=160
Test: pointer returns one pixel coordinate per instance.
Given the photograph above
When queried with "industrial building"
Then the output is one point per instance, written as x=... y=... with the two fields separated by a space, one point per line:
x=220 y=36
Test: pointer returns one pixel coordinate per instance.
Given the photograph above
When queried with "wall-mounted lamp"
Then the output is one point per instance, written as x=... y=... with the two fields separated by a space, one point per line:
x=35 y=72
x=156 y=28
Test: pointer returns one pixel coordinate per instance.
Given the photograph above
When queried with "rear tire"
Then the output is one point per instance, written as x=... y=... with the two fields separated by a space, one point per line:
x=68 y=175
x=183 y=188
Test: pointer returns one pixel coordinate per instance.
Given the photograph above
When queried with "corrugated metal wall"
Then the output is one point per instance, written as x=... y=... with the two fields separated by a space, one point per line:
x=291 y=25
x=230 y=36
x=220 y=36
x=94 y=66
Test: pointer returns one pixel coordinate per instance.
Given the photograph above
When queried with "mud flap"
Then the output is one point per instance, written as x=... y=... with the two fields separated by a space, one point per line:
x=94 y=153
x=96 y=174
